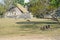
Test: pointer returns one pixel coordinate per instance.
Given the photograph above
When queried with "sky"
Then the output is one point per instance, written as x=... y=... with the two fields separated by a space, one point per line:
x=1 y=1
x=26 y=1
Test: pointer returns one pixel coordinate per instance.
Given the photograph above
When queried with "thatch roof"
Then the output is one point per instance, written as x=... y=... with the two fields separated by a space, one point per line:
x=24 y=10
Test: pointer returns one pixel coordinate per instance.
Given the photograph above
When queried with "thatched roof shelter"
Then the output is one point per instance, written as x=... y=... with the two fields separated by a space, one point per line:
x=21 y=8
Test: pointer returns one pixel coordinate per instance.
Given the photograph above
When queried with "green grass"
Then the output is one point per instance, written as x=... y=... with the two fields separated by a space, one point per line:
x=9 y=26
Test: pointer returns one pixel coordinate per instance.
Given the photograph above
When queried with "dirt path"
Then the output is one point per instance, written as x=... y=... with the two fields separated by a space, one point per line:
x=27 y=38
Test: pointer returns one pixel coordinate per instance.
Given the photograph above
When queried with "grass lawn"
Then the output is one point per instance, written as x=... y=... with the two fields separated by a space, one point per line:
x=10 y=26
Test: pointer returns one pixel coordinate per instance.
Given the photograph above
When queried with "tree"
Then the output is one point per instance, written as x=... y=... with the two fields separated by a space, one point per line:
x=2 y=10
x=18 y=1
x=38 y=7
x=4 y=7
x=56 y=4
x=43 y=7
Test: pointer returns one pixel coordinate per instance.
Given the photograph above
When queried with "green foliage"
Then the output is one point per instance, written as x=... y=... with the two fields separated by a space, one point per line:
x=55 y=3
x=38 y=7
x=2 y=10
x=5 y=7
x=19 y=1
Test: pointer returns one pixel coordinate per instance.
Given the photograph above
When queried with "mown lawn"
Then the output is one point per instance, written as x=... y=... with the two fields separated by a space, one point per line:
x=10 y=26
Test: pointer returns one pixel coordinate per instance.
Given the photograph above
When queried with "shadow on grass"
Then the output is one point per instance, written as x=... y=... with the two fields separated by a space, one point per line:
x=29 y=26
x=36 y=22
